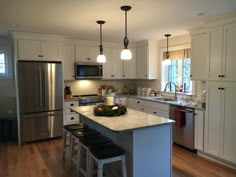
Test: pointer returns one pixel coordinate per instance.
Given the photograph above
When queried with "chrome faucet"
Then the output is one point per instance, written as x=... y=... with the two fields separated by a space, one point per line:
x=169 y=82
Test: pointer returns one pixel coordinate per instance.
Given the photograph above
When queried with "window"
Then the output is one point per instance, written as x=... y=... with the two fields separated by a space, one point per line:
x=177 y=71
x=3 y=64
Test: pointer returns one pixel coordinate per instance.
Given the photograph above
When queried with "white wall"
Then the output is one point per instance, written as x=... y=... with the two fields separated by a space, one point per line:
x=7 y=86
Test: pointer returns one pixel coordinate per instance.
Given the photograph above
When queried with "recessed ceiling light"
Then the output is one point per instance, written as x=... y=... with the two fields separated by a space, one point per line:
x=13 y=25
x=202 y=14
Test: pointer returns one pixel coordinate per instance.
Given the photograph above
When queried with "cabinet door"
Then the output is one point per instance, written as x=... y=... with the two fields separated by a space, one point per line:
x=28 y=49
x=216 y=54
x=198 y=130
x=141 y=62
x=115 y=64
x=200 y=57
x=129 y=66
x=68 y=60
x=82 y=54
x=214 y=118
x=230 y=52
x=229 y=133
x=50 y=50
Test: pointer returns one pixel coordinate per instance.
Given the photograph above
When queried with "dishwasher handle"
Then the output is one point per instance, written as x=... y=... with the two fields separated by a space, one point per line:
x=183 y=110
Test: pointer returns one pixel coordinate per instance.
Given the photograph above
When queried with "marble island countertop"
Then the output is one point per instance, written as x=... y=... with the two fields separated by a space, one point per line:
x=131 y=120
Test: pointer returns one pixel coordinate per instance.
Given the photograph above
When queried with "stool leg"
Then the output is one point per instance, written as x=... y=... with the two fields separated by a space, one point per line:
x=78 y=159
x=124 y=167
x=64 y=145
x=91 y=166
x=100 y=169
x=71 y=150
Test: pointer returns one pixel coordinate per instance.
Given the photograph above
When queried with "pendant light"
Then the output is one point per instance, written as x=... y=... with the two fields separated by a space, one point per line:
x=167 y=60
x=101 y=58
x=126 y=53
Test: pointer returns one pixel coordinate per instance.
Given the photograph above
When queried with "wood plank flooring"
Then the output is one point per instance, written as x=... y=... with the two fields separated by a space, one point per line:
x=44 y=159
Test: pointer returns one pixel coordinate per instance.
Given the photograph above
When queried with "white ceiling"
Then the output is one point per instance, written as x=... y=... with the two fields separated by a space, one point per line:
x=148 y=19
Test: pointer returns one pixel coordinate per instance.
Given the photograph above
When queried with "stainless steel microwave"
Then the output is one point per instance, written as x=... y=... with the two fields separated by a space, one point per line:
x=88 y=70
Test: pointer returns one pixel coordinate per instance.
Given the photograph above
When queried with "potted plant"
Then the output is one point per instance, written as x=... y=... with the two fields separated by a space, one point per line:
x=67 y=92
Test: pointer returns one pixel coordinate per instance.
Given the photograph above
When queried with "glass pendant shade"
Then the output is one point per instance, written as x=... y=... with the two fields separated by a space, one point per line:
x=101 y=58
x=126 y=54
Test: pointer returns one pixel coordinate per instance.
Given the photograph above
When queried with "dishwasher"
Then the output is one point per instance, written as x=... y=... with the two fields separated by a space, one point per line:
x=183 y=135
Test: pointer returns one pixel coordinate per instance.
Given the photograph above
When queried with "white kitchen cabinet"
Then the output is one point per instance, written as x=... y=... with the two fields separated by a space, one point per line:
x=146 y=59
x=230 y=52
x=86 y=54
x=216 y=53
x=68 y=61
x=156 y=108
x=137 y=104
x=112 y=69
x=129 y=66
x=30 y=49
x=222 y=53
x=70 y=117
x=198 y=130
x=220 y=120
x=200 y=56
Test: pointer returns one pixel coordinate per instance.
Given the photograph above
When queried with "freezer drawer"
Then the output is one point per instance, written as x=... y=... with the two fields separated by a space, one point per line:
x=41 y=126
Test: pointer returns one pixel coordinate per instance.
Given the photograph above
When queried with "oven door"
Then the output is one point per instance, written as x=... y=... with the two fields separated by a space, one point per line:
x=88 y=71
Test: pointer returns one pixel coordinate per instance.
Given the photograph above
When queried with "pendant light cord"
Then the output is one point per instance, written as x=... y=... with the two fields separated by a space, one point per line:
x=100 y=46
x=125 y=23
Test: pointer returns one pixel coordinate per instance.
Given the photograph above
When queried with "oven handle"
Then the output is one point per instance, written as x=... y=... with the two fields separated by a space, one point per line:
x=182 y=110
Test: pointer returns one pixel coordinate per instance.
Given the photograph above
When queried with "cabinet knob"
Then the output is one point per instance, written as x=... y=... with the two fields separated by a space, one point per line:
x=39 y=55
x=138 y=102
x=88 y=58
x=220 y=75
x=71 y=104
x=123 y=75
x=154 y=112
x=191 y=75
x=72 y=118
x=112 y=75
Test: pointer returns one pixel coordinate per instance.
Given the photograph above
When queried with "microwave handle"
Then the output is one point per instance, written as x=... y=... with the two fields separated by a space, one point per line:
x=100 y=70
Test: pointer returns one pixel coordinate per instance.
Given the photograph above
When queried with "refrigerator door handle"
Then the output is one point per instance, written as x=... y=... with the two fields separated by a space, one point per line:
x=40 y=88
x=44 y=88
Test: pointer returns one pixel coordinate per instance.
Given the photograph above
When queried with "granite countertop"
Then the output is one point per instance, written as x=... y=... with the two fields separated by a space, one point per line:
x=131 y=120
x=150 y=98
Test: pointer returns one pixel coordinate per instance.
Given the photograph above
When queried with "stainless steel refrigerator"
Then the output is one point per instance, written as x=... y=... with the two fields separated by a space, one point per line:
x=40 y=100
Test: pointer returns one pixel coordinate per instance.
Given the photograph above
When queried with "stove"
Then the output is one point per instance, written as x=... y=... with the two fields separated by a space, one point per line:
x=91 y=99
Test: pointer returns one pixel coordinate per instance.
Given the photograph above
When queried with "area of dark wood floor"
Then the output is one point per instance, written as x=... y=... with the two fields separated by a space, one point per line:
x=44 y=159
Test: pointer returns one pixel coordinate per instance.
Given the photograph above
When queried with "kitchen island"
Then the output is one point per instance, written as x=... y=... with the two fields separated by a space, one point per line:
x=146 y=138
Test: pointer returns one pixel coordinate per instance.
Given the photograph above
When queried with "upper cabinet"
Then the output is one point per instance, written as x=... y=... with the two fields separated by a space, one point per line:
x=146 y=59
x=200 y=56
x=213 y=53
x=38 y=50
x=129 y=66
x=68 y=60
x=86 y=54
x=29 y=46
x=112 y=69
x=222 y=53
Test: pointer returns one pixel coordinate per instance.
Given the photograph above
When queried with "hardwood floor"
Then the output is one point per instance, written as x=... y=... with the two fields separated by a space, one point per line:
x=44 y=159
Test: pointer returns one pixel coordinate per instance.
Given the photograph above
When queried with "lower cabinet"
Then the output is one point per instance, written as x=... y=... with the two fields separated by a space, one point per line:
x=149 y=107
x=70 y=117
x=198 y=129
x=220 y=123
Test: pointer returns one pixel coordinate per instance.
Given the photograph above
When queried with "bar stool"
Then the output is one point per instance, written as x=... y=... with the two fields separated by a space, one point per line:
x=85 y=143
x=67 y=129
x=104 y=154
x=75 y=136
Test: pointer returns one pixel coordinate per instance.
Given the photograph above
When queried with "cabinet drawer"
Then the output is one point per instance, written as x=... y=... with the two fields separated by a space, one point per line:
x=71 y=103
x=69 y=111
x=156 y=105
x=138 y=101
x=158 y=112
x=71 y=118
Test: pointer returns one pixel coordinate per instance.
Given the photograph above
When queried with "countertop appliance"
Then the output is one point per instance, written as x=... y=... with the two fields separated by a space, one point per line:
x=183 y=134
x=88 y=70
x=40 y=92
x=90 y=99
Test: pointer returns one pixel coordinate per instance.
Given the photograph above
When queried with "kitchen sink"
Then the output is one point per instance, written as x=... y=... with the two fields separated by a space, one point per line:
x=165 y=99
